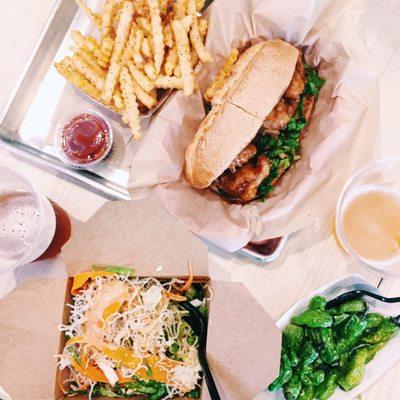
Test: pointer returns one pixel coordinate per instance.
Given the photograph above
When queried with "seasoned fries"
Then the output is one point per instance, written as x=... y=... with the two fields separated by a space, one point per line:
x=120 y=41
x=180 y=8
x=142 y=48
x=87 y=71
x=96 y=19
x=144 y=98
x=145 y=83
x=170 y=61
x=185 y=64
x=167 y=82
x=223 y=73
x=195 y=37
x=157 y=33
x=132 y=110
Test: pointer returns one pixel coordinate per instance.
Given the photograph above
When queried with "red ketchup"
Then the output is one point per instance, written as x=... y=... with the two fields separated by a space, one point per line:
x=85 y=139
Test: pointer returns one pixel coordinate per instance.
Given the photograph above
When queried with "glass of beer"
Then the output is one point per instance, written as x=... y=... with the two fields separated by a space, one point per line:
x=368 y=217
x=27 y=221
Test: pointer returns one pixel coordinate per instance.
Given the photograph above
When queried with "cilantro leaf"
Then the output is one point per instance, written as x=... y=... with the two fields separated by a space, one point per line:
x=314 y=82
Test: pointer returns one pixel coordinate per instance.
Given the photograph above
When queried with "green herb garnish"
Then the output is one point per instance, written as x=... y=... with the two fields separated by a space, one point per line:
x=174 y=348
x=314 y=82
x=191 y=340
x=284 y=149
x=194 y=394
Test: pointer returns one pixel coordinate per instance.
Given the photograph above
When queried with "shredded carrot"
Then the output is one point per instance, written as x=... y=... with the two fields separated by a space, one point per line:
x=188 y=283
x=176 y=297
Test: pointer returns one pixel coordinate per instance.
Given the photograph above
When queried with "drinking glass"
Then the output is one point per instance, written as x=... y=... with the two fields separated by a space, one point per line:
x=13 y=182
x=383 y=175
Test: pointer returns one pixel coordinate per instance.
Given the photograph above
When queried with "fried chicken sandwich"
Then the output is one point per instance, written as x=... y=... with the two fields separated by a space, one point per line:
x=260 y=103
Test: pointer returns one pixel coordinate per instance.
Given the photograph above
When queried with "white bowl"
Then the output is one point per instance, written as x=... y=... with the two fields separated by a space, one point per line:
x=382 y=362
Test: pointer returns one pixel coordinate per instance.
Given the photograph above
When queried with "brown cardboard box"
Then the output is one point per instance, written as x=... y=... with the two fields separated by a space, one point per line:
x=243 y=344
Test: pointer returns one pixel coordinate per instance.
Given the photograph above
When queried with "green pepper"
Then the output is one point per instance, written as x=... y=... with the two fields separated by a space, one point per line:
x=354 y=327
x=313 y=335
x=328 y=353
x=318 y=362
x=317 y=377
x=292 y=340
x=353 y=371
x=313 y=319
x=307 y=393
x=317 y=303
x=304 y=374
x=373 y=349
x=353 y=306
x=285 y=373
x=327 y=387
x=373 y=320
x=350 y=307
x=384 y=332
x=343 y=358
x=291 y=389
x=308 y=354
x=339 y=319
x=351 y=333
x=323 y=349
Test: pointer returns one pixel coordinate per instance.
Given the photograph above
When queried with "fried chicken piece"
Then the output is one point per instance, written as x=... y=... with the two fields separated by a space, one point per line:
x=243 y=184
x=279 y=117
x=298 y=82
x=308 y=104
x=243 y=157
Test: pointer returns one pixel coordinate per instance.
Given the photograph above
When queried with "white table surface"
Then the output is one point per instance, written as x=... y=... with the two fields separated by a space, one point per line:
x=311 y=257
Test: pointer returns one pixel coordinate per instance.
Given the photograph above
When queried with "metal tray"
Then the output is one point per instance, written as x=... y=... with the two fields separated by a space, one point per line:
x=42 y=100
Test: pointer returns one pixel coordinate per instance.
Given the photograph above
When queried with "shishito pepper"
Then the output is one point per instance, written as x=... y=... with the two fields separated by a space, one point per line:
x=306 y=393
x=291 y=390
x=353 y=371
x=339 y=319
x=310 y=376
x=313 y=319
x=329 y=352
x=384 y=332
x=308 y=354
x=373 y=350
x=317 y=303
x=331 y=348
x=327 y=387
x=350 y=333
x=292 y=341
x=373 y=320
x=350 y=307
x=285 y=373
